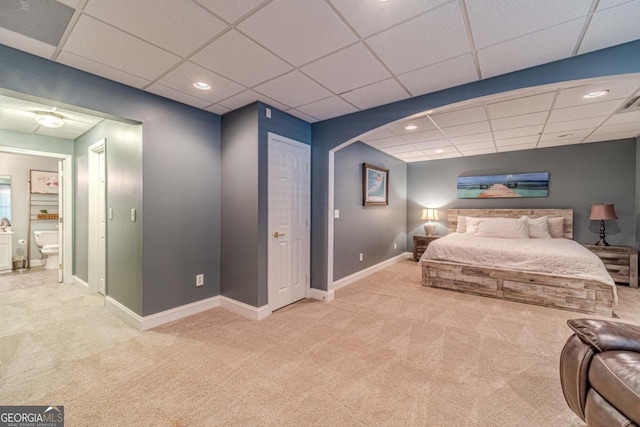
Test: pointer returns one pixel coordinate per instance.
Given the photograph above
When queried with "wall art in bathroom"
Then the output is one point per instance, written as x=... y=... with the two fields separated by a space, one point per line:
x=44 y=182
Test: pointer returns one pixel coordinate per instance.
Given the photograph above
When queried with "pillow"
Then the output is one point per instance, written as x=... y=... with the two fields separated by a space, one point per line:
x=538 y=227
x=505 y=228
x=556 y=227
x=470 y=224
x=462 y=224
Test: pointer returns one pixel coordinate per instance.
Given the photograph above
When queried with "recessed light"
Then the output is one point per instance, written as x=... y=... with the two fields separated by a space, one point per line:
x=411 y=127
x=202 y=85
x=439 y=151
x=565 y=135
x=596 y=93
x=49 y=120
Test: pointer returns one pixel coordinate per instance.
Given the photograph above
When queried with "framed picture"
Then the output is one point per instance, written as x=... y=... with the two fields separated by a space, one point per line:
x=44 y=182
x=375 y=185
x=533 y=184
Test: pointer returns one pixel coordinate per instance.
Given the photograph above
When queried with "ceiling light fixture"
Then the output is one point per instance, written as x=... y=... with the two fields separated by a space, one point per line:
x=439 y=151
x=202 y=85
x=596 y=93
x=49 y=120
x=411 y=127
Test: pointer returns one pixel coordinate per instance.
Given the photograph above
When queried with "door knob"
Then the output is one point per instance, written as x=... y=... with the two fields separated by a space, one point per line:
x=276 y=234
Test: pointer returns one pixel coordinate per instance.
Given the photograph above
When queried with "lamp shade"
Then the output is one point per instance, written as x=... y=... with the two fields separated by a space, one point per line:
x=602 y=212
x=430 y=214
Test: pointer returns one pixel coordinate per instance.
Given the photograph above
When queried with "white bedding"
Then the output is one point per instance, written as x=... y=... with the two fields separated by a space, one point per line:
x=562 y=257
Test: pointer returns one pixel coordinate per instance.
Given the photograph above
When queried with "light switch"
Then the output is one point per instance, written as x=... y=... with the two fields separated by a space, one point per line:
x=336 y=213
x=110 y=213
x=133 y=215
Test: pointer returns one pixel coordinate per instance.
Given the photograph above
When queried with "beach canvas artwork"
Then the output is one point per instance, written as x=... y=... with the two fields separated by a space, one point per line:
x=534 y=184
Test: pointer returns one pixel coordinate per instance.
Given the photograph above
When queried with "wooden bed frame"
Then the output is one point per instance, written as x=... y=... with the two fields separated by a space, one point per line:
x=574 y=294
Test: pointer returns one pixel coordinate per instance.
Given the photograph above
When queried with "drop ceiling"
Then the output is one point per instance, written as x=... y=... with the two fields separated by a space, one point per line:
x=318 y=59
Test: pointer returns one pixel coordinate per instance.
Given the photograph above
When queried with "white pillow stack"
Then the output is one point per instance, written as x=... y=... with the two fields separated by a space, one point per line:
x=538 y=227
x=505 y=228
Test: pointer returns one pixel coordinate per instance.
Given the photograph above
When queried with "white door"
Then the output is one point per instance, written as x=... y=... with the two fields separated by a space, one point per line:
x=61 y=210
x=288 y=219
x=97 y=219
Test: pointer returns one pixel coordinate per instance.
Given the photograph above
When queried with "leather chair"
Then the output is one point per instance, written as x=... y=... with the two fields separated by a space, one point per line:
x=600 y=372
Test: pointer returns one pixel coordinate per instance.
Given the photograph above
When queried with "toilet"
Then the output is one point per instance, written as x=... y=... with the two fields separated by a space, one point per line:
x=47 y=242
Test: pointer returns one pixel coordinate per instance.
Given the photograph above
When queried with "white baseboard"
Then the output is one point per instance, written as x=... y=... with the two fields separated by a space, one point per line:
x=370 y=270
x=157 y=319
x=37 y=262
x=321 y=295
x=244 y=310
x=79 y=281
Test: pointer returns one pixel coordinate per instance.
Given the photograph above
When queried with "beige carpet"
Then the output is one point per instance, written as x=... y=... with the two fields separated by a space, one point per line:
x=385 y=352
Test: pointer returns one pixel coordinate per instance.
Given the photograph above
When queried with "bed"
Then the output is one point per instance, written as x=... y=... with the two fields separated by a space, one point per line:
x=585 y=293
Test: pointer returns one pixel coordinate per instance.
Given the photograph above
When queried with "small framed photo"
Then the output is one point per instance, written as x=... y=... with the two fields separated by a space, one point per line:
x=375 y=185
x=43 y=182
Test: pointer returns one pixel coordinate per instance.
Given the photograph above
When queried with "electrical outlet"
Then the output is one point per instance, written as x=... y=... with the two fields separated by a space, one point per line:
x=395 y=246
x=200 y=280
x=361 y=258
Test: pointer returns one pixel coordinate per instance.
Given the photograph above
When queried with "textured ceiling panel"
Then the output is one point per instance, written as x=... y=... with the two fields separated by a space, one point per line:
x=44 y=20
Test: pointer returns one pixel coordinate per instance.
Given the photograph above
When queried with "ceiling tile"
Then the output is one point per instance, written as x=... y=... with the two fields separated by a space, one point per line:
x=383 y=92
x=418 y=159
x=611 y=27
x=102 y=43
x=585 y=111
x=445 y=155
x=459 y=117
x=248 y=97
x=571 y=125
x=520 y=106
x=627 y=117
x=410 y=154
x=428 y=135
x=327 y=108
x=17 y=120
x=502 y=20
x=559 y=142
x=425 y=40
x=179 y=27
x=518 y=132
x=369 y=17
x=298 y=31
x=519 y=140
x=293 y=89
x=58 y=132
x=610 y=136
x=301 y=115
x=574 y=134
x=379 y=133
x=618 y=128
x=471 y=139
x=468 y=129
x=387 y=142
x=527 y=51
x=230 y=10
x=478 y=152
x=347 y=69
x=516 y=147
x=606 y=4
x=443 y=75
x=27 y=44
x=520 y=121
x=244 y=61
x=399 y=149
x=422 y=124
x=78 y=117
x=475 y=146
x=167 y=92
x=183 y=77
x=620 y=88
x=428 y=145
x=218 y=109
x=75 y=61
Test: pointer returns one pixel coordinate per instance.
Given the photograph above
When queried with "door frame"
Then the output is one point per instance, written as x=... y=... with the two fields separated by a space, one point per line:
x=95 y=243
x=67 y=215
x=275 y=138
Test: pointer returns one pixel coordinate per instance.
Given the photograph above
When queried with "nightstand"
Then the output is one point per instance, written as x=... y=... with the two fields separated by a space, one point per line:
x=621 y=262
x=420 y=244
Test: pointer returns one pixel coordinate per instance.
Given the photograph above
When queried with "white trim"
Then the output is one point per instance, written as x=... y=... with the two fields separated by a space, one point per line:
x=95 y=190
x=367 y=271
x=79 y=281
x=321 y=295
x=245 y=310
x=177 y=313
x=38 y=262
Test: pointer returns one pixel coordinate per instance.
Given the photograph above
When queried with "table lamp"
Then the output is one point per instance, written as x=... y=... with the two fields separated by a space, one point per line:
x=429 y=214
x=602 y=212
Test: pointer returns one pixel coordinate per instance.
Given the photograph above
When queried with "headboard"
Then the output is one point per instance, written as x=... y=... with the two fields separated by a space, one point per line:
x=567 y=214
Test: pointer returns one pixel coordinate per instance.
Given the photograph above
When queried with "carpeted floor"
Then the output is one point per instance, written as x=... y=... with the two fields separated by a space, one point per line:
x=385 y=352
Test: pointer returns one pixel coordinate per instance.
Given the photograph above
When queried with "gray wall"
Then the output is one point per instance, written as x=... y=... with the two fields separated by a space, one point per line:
x=371 y=230
x=181 y=174
x=244 y=197
x=18 y=166
x=579 y=176
x=124 y=192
